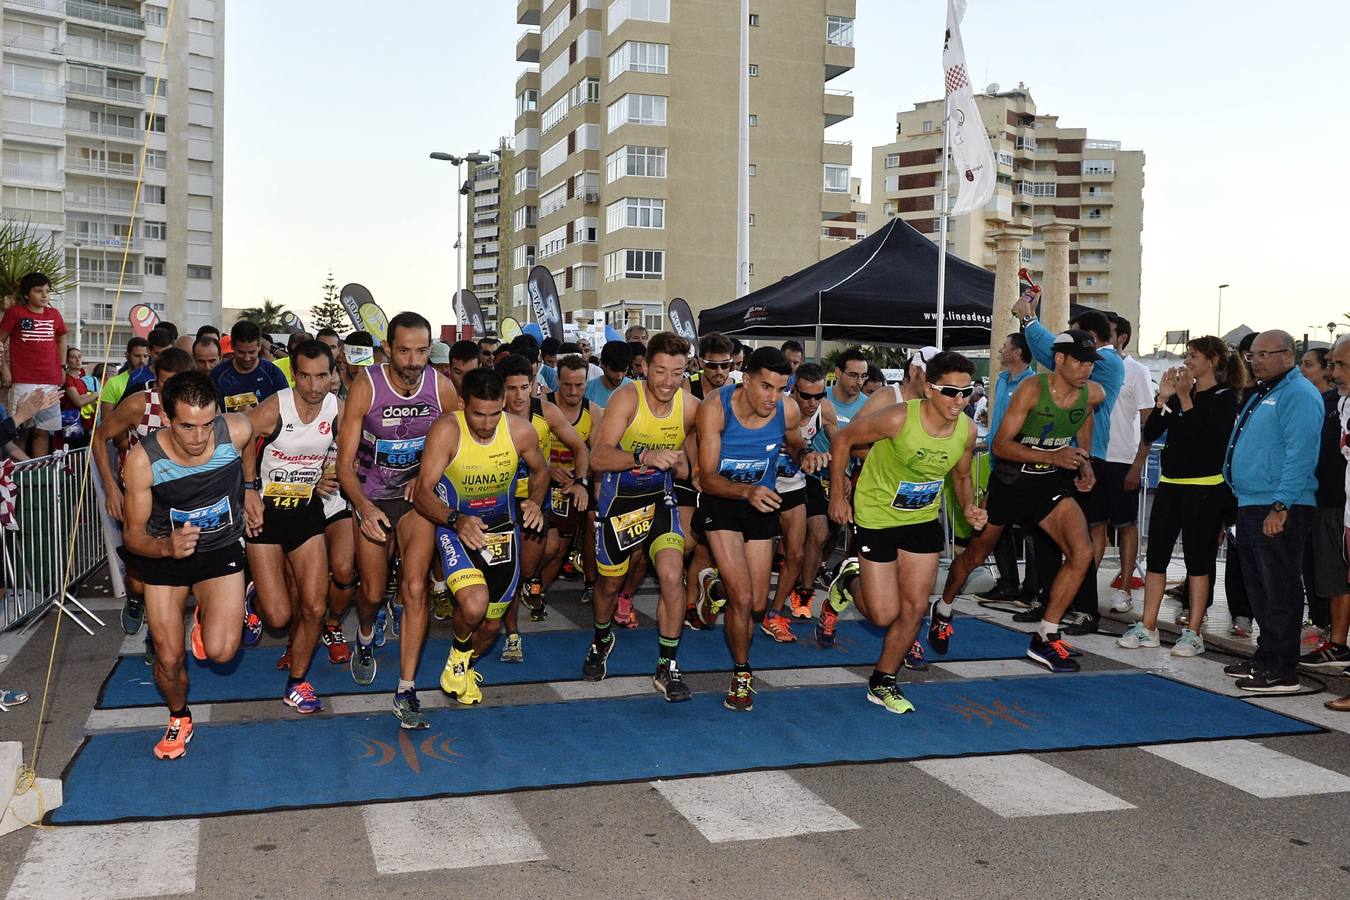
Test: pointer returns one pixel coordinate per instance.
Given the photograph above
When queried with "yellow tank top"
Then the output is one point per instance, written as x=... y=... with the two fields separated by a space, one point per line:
x=478 y=479
x=649 y=431
x=558 y=453
x=545 y=437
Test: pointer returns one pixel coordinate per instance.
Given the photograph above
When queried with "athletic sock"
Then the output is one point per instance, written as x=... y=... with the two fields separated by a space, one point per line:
x=880 y=678
x=1045 y=629
x=463 y=643
x=292 y=681
x=405 y=686
x=439 y=586
x=758 y=617
x=183 y=713
x=742 y=668
x=602 y=632
x=363 y=638
x=669 y=647
x=944 y=608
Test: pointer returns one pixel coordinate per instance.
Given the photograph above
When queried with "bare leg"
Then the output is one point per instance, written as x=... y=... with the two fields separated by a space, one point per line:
x=341 y=549
x=309 y=561
x=976 y=552
x=793 y=523
x=164 y=608
x=416 y=540
x=745 y=567
x=1067 y=528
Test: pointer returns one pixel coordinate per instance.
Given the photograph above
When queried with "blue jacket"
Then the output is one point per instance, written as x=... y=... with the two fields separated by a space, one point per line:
x=1272 y=450
x=1109 y=372
x=1007 y=386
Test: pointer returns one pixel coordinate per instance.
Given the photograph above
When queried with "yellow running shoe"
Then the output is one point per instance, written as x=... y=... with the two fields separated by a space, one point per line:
x=473 y=694
x=455 y=677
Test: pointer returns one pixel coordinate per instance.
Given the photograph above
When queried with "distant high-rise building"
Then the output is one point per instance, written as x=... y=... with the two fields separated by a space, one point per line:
x=626 y=149
x=78 y=93
x=1045 y=172
x=484 y=251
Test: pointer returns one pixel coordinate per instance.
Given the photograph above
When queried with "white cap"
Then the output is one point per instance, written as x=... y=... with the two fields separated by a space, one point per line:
x=922 y=357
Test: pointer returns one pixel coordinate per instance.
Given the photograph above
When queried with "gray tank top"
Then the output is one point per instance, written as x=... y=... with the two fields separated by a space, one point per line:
x=210 y=496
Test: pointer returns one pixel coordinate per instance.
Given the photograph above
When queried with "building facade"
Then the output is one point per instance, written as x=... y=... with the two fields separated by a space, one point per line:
x=78 y=99
x=626 y=149
x=485 y=250
x=1046 y=172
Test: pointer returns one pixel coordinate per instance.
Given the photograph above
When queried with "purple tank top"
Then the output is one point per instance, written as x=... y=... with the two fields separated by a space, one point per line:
x=393 y=433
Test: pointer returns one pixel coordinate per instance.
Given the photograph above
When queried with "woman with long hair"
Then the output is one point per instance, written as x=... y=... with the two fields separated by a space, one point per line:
x=1196 y=405
x=1317 y=369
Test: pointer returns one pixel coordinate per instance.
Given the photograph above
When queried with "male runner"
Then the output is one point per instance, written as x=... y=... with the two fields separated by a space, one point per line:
x=1039 y=467
x=466 y=499
x=383 y=428
x=284 y=482
x=246 y=379
x=742 y=430
x=638 y=443
x=183 y=531
x=206 y=353
x=894 y=513
x=463 y=359
x=704 y=595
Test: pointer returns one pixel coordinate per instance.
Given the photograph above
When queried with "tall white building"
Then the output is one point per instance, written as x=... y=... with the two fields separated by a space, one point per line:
x=78 y=94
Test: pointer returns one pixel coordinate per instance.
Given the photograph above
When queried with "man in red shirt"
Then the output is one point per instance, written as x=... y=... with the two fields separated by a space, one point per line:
x=36 y=354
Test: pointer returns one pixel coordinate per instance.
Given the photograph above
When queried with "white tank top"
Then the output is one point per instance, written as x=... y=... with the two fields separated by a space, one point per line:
x=790 y=475
x=294 y=455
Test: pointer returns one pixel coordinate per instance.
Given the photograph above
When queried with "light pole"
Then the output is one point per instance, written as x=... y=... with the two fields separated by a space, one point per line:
x=458 y=161
x=79 y=332
x=1219 y=322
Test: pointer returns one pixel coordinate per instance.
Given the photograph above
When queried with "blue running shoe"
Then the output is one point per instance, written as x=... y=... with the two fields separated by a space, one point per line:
x=133 y=614
x=408 y=711
x=379 y=626
x=914 y=658
x=1052 y=653
x=363 y=664
x=253 y=626
x=395 y=618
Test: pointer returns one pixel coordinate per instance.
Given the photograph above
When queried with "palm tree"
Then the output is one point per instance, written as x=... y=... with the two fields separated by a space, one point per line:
x=267 y=317
x=22 y=251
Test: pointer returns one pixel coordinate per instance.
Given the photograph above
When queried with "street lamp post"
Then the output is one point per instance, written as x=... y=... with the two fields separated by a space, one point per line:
x=1219 y=321
x=457 y=162
x=79 y=332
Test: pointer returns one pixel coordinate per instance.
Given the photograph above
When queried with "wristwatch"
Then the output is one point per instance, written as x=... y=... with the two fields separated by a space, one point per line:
x=254 y=485
x=452 y=518
x=1278 y=506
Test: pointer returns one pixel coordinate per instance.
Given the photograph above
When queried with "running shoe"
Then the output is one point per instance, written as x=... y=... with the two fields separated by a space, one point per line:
x=840 y=596
x=596 y=664
x=253 y=626
x=1121 y=602
x=939 y=630
x=12 y=698
x=712 y=596
x=1241 y=627
x=512 y=652
x=339 y=651
x=570 y=569
x=825 y=625
x=914 y=658
x=442 y=607
x=740 y=696
x=133 y=614
x=195 y=638
x=625 y=615
x=888 y=696
x=1052 y=653
x=380 y=618
x=408 y=711
x=1184 y=619
x=670 y=682
x=1138 y=636
x=302 y=699
x=800 y=600
x=692 y=620
x=1327 y=655
x=1189 y=644
x=1033 y=613
x=458 y=678
x=540 y=614
x=1241 y=669
x=363 y=664
x=395 y=618
x=532 y=594
x=1260 y=682
x=1076 y=622
x=999 y=593
x=391 y=585
x=587 y=595
x=284 y=661
x=1311 y=637
x=176 y=738
x=776 y=627
x=149 y=655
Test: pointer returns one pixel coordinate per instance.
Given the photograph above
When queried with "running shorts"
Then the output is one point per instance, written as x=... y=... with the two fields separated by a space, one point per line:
x=496 y=566
x=290 y=528
x=817 y=497
x=793 y=499
x=1026 y=499
x=649 y=522
x=882 y=545
x=721 y=514
x=199 y=567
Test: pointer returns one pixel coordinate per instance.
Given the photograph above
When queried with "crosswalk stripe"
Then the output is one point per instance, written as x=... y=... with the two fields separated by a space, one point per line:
x=992 y=668
x=807 y=677
x=1253 y=768
x=140 y=717
x=751 y=806
x=134 y=859
x=1020 y=785
x=449 y=833
x=600 y=690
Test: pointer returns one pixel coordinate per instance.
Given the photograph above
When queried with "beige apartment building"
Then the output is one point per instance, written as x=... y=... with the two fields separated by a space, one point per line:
x=626 y=148
x=485 y=251
x=78 y=93
x=1045 y=172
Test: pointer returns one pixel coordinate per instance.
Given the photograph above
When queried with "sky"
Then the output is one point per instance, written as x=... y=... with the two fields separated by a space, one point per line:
x=331 y=108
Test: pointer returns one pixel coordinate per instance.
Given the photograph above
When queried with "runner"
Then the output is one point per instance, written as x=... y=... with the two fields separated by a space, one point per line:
x=206 y=353
x=703 y=593
x=184 y=531
x=245 y=379
x=358 y=353
x=1036 y=458
x=894 y=514
x=637 y=445
x=463 y=359
x=465 y=495
x=285 y=484
x=380 y=438
x=743 y=429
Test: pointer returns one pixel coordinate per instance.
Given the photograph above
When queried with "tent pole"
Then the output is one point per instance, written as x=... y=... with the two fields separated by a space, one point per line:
x=743 y=159
x=942 y=231
x=819 y=358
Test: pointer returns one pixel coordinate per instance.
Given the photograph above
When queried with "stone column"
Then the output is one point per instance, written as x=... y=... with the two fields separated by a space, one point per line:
x=1007 y=251
x=1055 y=290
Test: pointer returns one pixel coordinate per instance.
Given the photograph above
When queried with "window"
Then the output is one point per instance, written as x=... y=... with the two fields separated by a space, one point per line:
x=585 y=230
x=154 y=88
x=587 y=137
x=156 y=15
x=1026 y=143
x=522 y=257
x=554 y=200
x=587 y=90
x=752 y=219
x=1004 y=158
x=199 y=237
x=1099 y=167
x=554 y=29
x=155 y=231
x=862 y=234
x=839 y=31
x=927 y=126
x=527 y=101
x=754 y=70
x=754 y=120
x=754 y=170
x=203 y=272
x=1094 y=214
x=860 y=217
x=156 y=159
x=525 y=217
x=527 y=179
x=754 y=20
x=648 y=264
x=892 y=160
x=201 y=26
x=584 y=277
x=552 y=242
x=154 y=265
x=154 y=193
x=888 y=208
x=836 y=179
x=154 y=123
x=621 y=11
x=635 y=212
x=553 y=73
x=198 y=201
x=553 y=115
x=637 y=109
x=636 y=56
x=892 y=183
x=643 y=162
x=553 y=157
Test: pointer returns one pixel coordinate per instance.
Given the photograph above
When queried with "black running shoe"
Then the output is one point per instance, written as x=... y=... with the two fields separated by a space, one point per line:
x=1241 y=669
x=1034 y=614
x=1260 y=682
x=939 y=630
x=596 y=664
x=670 y=683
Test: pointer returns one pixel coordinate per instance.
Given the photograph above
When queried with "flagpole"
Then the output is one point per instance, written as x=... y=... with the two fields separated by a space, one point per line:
x=942 y=228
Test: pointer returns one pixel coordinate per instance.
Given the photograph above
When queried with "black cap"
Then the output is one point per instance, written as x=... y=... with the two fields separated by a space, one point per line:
x=1079 y=344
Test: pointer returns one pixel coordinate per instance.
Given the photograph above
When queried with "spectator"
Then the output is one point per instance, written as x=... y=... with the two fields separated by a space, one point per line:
x=1126 y=455
x=1326 y=581
x=615 y=358
x=637 y=369
x=1316 y=368
x=79 y=401
x=636 y=334
x=34 y=339
x=487 y=349
x=1270 y=466
x=31 y=405
x=1340 y=610
x=438 y=357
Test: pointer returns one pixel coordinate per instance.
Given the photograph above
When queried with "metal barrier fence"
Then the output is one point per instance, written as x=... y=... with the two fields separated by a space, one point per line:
x=35 y=546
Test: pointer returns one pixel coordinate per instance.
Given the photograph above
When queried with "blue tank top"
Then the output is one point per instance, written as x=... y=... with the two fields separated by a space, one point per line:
x=843 y=413
x=750 y=455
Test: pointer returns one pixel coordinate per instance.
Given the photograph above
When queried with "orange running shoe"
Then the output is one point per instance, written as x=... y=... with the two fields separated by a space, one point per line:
x=198 y=648
x=284 y=662
x=626 y=615
x=777 y=627
x=800 y=599
x=176 y=738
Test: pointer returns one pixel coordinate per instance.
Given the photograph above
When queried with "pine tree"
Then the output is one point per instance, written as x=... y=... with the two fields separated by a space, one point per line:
x=329 y=312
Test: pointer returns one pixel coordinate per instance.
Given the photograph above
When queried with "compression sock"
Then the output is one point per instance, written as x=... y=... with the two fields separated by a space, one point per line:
x=880 y=678
x=602 y=632
x=669 y=647
x=463 y=643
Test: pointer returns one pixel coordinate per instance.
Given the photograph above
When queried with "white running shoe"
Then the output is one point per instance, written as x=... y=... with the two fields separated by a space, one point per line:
x=1121 y=601
x=1189 y=644
x=1138 y=636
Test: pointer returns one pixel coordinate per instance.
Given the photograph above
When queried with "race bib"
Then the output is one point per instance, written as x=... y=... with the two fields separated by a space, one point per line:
x=399 y=455
x=743 y=471
x=561 y=502
x=241 y=402
x=916 y=495
x=282 y=495
x=632 y=528
x=208 y=518
x=787 y=466
x=498 y=549
x=1039 y=468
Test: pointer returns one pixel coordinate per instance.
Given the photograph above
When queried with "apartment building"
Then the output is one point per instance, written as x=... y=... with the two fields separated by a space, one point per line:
x=78 y=98
x=1045 y=171
x=484 y=254
x=626 y=148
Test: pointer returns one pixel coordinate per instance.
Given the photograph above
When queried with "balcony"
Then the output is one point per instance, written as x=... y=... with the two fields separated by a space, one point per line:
x=834 y=204
x=838 y=106
x=839 y=153
x=102 y=204
x=30 y=46
x=838 y=60
x=107 y=129
x=1098 y=174
x=102 y=53
x=47 y=217
x=105 y=15
x=132 y=279
x=54 y=8
x=103 y=241
x=41 y=134
x=527 y=80
x=1100 y=197
x=111 y=94
x=46 y=90
x=527 y=48
x=528 y=12
x=845 y=9
x=33 y=174
x=100 y=167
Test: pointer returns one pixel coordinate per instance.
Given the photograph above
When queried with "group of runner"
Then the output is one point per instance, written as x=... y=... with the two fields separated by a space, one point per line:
x=460 y=486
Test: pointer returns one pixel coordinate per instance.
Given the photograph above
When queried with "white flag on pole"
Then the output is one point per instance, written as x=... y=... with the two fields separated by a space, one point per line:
x=970 y=149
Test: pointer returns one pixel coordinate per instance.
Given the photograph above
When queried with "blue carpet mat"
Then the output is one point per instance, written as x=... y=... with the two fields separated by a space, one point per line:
x=549 y=656
x=338 y=760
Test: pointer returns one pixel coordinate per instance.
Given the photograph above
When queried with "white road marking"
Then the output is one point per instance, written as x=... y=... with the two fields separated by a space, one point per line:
x=807 y=677
x=992 y=668
x=450 y=833
x=140 y=717
x=751 y=806
x=600 y=690
x=134 y=859
x=1253 y=768
x=1020 y=785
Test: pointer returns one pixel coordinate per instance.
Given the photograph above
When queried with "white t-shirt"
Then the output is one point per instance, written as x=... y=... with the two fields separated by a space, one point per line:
x=1136 y=393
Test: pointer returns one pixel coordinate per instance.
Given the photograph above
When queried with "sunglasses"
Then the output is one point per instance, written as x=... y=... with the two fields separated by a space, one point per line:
x=715 y=365
x=806 y=396
x=951 y=390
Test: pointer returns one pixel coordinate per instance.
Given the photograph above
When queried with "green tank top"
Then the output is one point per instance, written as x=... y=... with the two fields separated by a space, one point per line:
x=902 y=476
x=1050 y=426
